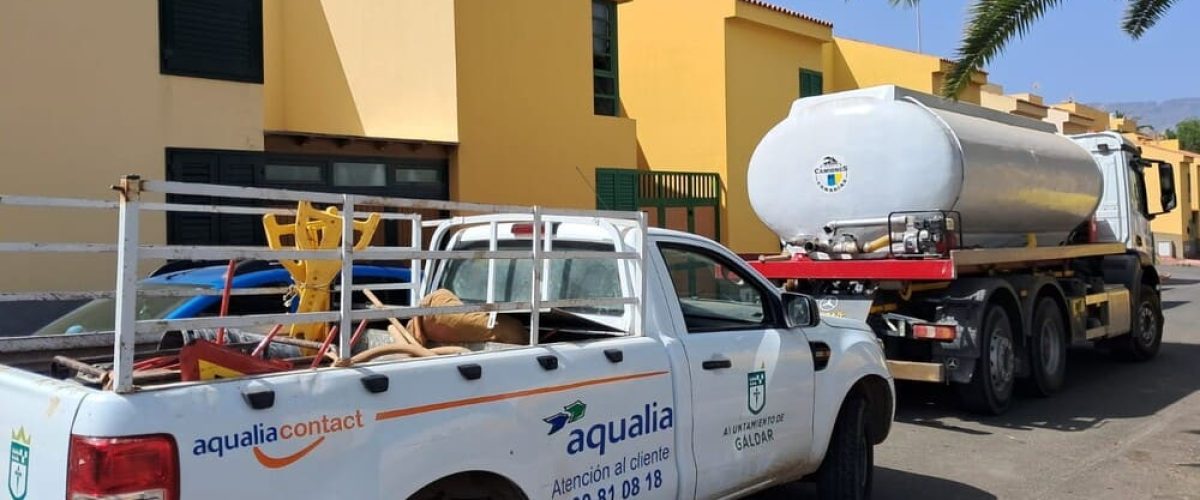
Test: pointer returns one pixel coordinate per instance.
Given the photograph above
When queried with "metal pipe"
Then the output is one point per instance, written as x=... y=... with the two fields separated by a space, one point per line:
x=347 y=276
x=125 y=326
x=834 y=225
x=225 y=298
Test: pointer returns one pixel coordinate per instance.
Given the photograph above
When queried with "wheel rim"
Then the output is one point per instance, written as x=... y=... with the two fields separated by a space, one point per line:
x=1147 y=325
x=1000 y=355
x=1051 y=347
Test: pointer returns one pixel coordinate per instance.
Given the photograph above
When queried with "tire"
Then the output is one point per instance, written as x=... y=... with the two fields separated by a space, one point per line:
x=991 y=387
x=1047 y=349
x=849 y=464
x=1145 y=338
x=468 y=486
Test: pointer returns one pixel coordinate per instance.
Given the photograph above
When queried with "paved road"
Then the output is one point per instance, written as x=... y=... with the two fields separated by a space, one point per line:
x=1116 y=431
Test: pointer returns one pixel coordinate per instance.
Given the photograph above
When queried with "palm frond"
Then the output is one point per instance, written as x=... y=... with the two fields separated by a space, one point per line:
x=906 y=3
x=1142 y=14
x=992 y=24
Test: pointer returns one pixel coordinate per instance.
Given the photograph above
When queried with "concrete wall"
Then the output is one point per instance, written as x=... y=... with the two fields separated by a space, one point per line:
x=84 y=103
x=379 y=69
x=527 y=130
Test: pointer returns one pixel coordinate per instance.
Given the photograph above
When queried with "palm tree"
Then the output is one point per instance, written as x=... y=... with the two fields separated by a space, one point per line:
x=994 y=22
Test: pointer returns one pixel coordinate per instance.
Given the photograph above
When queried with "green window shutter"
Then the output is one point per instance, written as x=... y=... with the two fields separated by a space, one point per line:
x=616 y=189
x=811 y=83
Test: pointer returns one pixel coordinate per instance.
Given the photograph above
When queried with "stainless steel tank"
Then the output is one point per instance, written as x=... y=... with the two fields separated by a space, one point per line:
x=852 y=158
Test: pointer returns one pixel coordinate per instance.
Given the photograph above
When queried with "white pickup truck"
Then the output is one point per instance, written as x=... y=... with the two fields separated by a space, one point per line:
x=659 y=366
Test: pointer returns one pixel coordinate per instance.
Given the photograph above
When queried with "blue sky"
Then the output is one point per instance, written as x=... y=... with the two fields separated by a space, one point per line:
x=1077 y=50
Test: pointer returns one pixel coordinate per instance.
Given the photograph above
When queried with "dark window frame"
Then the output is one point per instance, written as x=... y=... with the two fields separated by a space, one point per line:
x=167 y=47
x=602 y=74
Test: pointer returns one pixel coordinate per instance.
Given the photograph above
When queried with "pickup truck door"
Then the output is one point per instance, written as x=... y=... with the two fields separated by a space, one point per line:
x=751 y=377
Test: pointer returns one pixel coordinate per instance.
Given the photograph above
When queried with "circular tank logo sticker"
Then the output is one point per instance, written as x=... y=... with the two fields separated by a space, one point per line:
x=831 y=175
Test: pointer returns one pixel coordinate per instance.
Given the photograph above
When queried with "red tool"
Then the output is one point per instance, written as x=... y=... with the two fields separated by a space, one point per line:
x=225 y=298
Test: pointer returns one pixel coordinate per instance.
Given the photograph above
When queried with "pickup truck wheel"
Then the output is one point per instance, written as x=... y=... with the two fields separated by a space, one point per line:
x=1047 y=349
x=469 y=486
x=846 y=472
x=991 y=386
x=1145 y=338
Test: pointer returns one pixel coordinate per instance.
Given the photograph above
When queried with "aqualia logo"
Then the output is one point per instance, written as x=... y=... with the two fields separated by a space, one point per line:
x=600 y=435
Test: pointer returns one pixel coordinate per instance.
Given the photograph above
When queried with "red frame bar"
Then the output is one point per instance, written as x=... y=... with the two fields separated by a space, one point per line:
x=864 y=269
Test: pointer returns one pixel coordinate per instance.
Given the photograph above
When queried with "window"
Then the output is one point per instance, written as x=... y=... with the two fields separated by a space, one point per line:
x=415 y=175
x=218 y=39
x=293 y=174
x=359 y=174
x=713 y=295
x=604 y=57
x=565 y=278
x=811 y=83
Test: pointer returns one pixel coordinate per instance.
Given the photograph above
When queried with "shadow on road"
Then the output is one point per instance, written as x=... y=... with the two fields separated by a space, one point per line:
x=1097 y=389
x=890 y=484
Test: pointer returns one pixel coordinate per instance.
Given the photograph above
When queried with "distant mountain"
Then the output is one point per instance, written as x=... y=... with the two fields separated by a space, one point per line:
x=1161 y=115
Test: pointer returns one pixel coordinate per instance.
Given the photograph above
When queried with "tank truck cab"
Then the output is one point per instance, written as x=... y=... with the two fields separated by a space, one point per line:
x=1124 y=213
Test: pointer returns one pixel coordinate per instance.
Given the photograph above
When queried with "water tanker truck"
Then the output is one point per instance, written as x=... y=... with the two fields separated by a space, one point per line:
x=978 y=245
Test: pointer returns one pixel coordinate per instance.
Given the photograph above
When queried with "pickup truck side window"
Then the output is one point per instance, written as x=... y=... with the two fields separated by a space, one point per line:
x=713 y=294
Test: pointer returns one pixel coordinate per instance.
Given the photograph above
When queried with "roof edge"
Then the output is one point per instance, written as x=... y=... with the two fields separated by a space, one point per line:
x=787 y=11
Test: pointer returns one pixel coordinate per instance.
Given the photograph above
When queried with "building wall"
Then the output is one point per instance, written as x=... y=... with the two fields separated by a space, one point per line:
x=860 y=64
x=762 y=79
x=672 y=78
x=378 y=69
x=1067 y=122
x=84 y=103
x=526 y=126
x=1099 y=117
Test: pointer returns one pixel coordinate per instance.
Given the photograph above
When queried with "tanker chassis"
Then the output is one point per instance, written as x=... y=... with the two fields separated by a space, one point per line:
x=978 y=245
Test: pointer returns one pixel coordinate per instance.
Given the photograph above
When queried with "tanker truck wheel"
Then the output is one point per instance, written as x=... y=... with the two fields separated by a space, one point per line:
x=1047 y=349
x=1145 y=338
x=991 y=387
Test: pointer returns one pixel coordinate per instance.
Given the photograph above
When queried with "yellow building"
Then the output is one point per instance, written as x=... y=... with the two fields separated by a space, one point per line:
x=1081 y=115
x=400 y=97
x=503 y=102
x=858 y=64
x=1027 y=105
x=706 y=79
x=1175 y=232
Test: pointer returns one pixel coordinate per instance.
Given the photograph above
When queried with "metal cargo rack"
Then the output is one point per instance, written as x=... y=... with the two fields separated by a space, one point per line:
x=129 y=332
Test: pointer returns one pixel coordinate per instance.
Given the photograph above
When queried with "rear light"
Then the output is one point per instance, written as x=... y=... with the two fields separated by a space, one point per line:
x=125 y=468
x=522 y=230
x=944 y=333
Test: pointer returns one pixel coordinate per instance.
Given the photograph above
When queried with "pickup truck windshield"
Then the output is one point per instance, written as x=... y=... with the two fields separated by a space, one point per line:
x=567 y=278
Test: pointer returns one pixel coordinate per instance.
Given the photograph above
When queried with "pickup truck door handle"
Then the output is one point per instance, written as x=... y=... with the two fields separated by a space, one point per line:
x=716 y=364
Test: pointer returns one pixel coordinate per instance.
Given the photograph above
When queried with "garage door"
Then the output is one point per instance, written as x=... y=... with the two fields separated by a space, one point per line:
x=396 y=177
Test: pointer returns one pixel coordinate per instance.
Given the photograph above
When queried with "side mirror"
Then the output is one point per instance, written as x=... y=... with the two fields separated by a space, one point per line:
x=800 y=310
x=1166 y=183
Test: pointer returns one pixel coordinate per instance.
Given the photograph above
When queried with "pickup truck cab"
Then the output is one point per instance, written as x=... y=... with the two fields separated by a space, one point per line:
x=659 y=366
